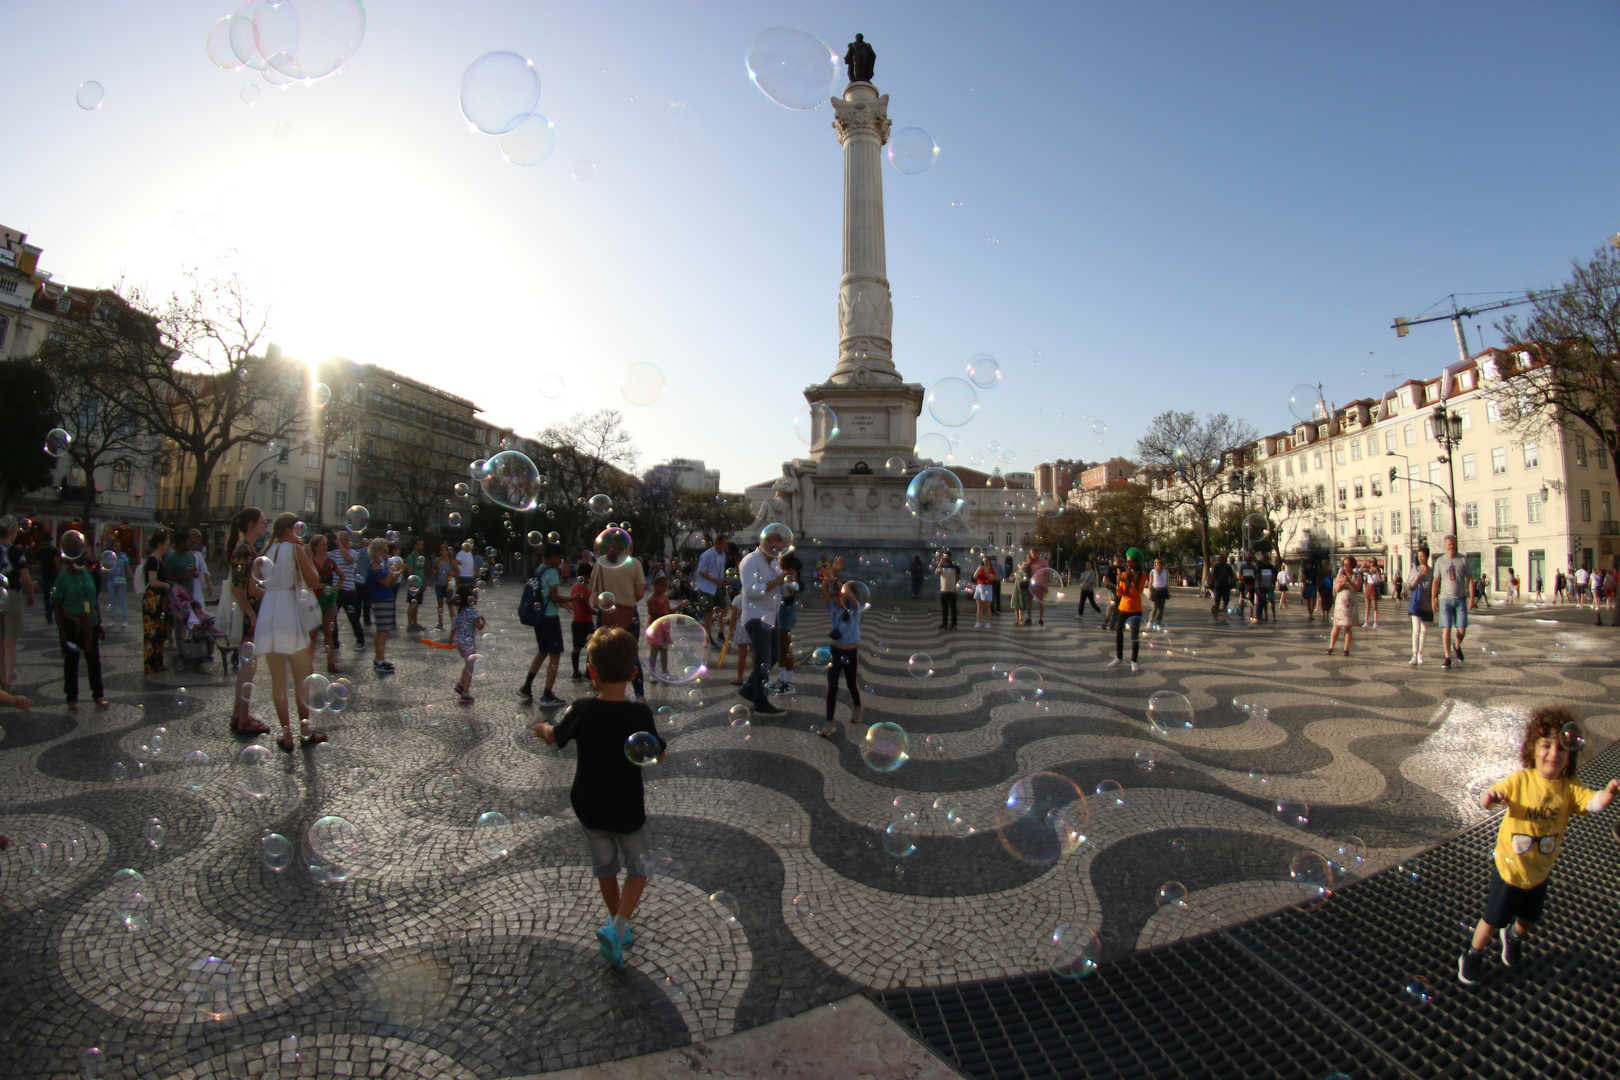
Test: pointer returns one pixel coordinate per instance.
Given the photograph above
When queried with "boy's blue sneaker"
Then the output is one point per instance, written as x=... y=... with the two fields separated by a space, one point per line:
x=628 y=938
x=607 y=939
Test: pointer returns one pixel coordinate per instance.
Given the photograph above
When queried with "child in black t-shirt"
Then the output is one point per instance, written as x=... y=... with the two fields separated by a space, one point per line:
x=606 y=794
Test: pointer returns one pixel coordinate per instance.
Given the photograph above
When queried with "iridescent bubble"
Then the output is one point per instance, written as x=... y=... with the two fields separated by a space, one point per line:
x=1170 y=714
x=90 y=95
x=1258 y=779
x=724 y=906
x=131 y=903
x=1304 y=402
x=1040 y=817
x=642 y=749
x=57 y=442
x=983 y=371
x=1072 y=950
x=1573 y=738
x=895 y=466
x=492 y=832
x=934 y=447
x=679 y=649
x=336 y=845
x=920 y=666
x=498 y=91
x=953 y=402
x=1110 y=795
x=356 y=518
x=208 y=989
x=583 y=170
x=642 y=383
x=793 y=68
x=912 y=150
x=885 y=747
x=530 y=143
x=1417 y=992
x=935 y=494
x=1291 y=810
x=1172 y=894
x=153 y=833
x=899 y=838
x=1348 y=856
x=551 y=385
x=1145 y=758
x=961 y=821
x=1025 y=684
x=613 y=546
x=803 y=908
x=93 y=1064
x=1312 y=874
x=511 y=480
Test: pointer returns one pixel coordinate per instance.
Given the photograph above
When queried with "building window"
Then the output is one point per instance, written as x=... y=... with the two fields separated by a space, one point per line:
x=1498 y=461
x=1493 y=412
x=343 y=463
x=1341 y=493
x=1406 y=399
x=1395 y=522
x=1428 y=428
x=1378 y=526
x=240 y=486
x=311 y=495
x=312 y=457
x=393 y=431
x=122 y=468
x=1532 y=455
x=1471 y=515
x=1321 y=494
x=1532 y=508
x=1409 y=433
x=1394 y=481
x=278 y=495
x=1603 y=457
x=1358 y=488
x=1316 y=463
x=1344 y=527
x=1377 y=486
x=1372 y=445
x=1580 y=449
x=1434 y=473
x=1338 y=456
x=1470 y=469
x=75 y=476
x=340 y=503
x=1009 y=539
x=1361 y=526
x=1288 y=467
x=376 y=427
x=1355 y=450
x=1504 y=516
x=1437 y=518
x=1608 y=511
x=1586 y=505
x=1389 y=441
x=1467 y=419
x=224 y=491
x=1431 y=392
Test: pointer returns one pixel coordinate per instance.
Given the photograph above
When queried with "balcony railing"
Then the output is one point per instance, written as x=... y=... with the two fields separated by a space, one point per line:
x=1510 y=533
x=1609 y=528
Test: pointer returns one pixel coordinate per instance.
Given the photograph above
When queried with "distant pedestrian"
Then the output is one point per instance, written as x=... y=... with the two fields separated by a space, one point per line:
x=1346 y=588
x=1159 y=593
x=118 y=573
x=1128 y=598
x=1088 y=589
x=917 y=571
x=1421 y=606
x=984 y=593
x=78 y=622
x=1452 y=576
x=950 y=579
x=381 y=576
x=549 y=597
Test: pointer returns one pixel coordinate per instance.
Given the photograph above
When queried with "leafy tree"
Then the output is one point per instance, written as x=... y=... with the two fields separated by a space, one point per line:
x=1561 y=367
x=1185 y=456
x=26 y=414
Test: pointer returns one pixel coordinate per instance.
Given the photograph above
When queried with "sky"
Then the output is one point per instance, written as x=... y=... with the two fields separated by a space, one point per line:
x=1135 y=207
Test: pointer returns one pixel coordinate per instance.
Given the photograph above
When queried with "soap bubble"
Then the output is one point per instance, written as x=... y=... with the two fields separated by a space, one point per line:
x=492 y=832
x=57 y=442
x=71 y=545
x=742 y=729
x=1348 y=855
x=551 y=385
x=1573 y=738
x=1258 y=779
x=357 y=518
x=197 y=768
x=498 y=91
x=1178 y=845
x=884 y=747
x=613 y=546
x=934 y=447
x=283 y=130
x=895 y=466
x=600 y=504
x=1025 y=684
x=262 y=568
x=642 y=383
x=899 y=839
x=583 y=170
x=1046 y=584
x=131 y=903
x=315 y=688
x=336 y=845
x=606 y=601
x=208 y=989
x=856 y=595
x=117 y=771
x=684 y=645
x=181 y=696
x=1172 y=894
x=1040 y=817
x=534 y=538
x=1170 y=714
x=642 y=749
x=93 y=1064
x=1110 y=795
x=935 y=494
x=511 y=480
x=921 y=665
x=953 y=402
x=983 y=371
x=815 y=424
x=1144 y=758
x=530 y=143
x=1072 y=950
x=1099 y=428
x=1417 y=992
x=1304 y=402
x=776 y=534
x=803 y=908
x=1291 y=810
x=724 y=906
x=275 y=852
x=793 y=68
x=1312 y=874
x=154 y=833
x=90 y=95
x=912 y=150
x=961 y=821
x=1410 y=869
x=462 y=489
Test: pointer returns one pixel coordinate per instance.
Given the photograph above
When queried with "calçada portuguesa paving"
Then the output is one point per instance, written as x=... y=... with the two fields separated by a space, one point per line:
x=437 y=958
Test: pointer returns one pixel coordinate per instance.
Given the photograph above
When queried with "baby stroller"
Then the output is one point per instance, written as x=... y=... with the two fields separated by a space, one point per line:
x=194 y=634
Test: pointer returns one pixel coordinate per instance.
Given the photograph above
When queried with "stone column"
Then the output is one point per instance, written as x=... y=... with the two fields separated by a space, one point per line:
x=865 y=309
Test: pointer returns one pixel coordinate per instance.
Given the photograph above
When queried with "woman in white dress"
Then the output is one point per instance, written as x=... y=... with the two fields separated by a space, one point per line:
x=277 y=635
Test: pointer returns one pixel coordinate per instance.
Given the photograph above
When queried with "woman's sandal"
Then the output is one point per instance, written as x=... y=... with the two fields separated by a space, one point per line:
x=308 y=735
x=251 y=727
x=286 y=742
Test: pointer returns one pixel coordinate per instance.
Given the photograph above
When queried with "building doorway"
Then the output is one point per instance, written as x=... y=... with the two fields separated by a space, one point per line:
x=1535 y=570
x=1504 y=569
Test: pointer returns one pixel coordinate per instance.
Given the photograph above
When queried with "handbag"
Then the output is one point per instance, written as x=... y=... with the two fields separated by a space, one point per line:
x=309 y=608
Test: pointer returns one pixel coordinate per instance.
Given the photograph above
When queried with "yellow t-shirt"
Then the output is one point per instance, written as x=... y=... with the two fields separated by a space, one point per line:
x=1533 y=827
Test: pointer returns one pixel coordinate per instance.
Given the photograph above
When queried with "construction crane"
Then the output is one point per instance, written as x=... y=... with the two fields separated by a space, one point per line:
x=1457 y=315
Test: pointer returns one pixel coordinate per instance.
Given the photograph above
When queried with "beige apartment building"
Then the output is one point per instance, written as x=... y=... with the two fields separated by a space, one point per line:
x=1380 y=479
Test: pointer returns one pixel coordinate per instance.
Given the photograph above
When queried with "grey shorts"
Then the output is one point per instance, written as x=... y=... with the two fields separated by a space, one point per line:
x=11 y=613
x=606 y=847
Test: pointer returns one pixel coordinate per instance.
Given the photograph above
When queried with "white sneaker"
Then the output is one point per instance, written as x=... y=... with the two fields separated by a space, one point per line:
x=1135 y=667
x=1413 y=661
x=1115 y=662
x=1420 y=658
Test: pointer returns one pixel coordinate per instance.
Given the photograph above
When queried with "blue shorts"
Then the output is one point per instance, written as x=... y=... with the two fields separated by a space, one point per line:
x=548 y=635
x=1453 y=613
x=787 y=617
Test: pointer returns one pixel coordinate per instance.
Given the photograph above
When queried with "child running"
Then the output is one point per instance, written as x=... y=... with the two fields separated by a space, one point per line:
x=465 y=623
x=607 y=794
x=1539 y=798
x=844 y=614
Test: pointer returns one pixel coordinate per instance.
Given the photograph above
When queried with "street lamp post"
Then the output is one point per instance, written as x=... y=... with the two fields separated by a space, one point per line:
x=1448 y=429
x=247 y=481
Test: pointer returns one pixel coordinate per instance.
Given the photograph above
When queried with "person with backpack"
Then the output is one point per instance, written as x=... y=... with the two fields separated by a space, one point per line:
x=538 y=608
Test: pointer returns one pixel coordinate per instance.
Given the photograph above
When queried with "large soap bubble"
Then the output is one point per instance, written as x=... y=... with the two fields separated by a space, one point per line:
x=953 y=402
x=912 y=150
x=776 y=534
x=613 y=546
x=511 y=480
x=983 y=371
x=885 y=747
x=498 y=90
x=57 y=442
x=530 y=143
x=1170 y=714
x=642 y=383
x=336 y=845
x=357 y=518
x=815 y=419
x=1255 y=528
x=89 y=95
x=1304 y=402
x=935 y=447
x=1040 y=818
x=1072 y=950
x=934 y=494
x=642 y=749
x=492 y=832
x=793 y=68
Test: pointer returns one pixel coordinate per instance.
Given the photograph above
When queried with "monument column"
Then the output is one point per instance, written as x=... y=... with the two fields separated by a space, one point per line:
x=865 y=309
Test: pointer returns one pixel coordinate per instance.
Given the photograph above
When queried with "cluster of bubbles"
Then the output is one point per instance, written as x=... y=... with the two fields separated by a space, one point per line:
x=287 y=41
x=499 y=92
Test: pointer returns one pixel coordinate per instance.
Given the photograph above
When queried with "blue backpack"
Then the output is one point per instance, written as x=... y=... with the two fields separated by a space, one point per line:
x=530 y=607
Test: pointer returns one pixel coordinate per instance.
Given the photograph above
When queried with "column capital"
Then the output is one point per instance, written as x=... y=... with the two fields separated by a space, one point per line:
x=861 y=112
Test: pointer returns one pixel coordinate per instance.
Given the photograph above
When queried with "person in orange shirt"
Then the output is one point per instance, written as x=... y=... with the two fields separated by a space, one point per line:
x=1132 y=580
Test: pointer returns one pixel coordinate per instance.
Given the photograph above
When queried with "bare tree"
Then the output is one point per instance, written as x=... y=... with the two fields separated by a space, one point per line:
x=1188 y=454
x=200 y=385
x=1560 y=370
x=88 y=360
x=590 y=454
x=410 y=472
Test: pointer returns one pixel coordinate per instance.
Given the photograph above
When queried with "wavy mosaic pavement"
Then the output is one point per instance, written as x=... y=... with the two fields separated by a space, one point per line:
x=437 y=959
